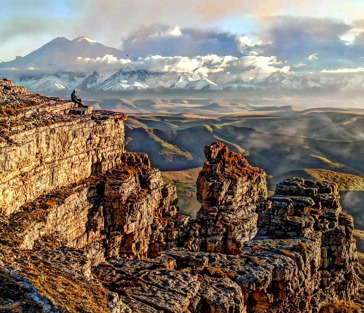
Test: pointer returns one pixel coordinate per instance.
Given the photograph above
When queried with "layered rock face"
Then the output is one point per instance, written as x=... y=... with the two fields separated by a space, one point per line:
x=111 y=215
x=88 y=227
x=312 y=210
x=230 y=190
x=138 y=205
x=43 y=149
x=67 y=181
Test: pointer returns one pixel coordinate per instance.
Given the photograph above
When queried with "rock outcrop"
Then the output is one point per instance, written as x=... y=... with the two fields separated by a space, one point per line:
x=87 y=227
x=230 y=192
x=302 y=256
x=311 y=210
x=44 y=147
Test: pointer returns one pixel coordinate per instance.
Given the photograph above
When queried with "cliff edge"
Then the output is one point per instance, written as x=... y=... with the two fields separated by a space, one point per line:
x=89 y=227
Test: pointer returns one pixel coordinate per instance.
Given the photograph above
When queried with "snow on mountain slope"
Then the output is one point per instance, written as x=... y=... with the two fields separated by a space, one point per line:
x=91 y=81
x=49 y=83
x=142 y=79
x=61 y=54
x=85 y=64
x=130 y=80
x=45 y=84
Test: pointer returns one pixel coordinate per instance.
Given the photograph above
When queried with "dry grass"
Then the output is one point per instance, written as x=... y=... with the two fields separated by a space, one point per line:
x=255 y=261
x=236 y=146
x=13 y=298
x=359 y=234
x=65 y=290
x=169 y=150
x=60 y=283
x=286 y=253
x=327 y=161
x=209 y=128
x=239 y=167
x=15 y=107
x=341 y=307
x=301 y=247
x=343 y=180
x=316 y=211
x=187 y=176
x=361 y=268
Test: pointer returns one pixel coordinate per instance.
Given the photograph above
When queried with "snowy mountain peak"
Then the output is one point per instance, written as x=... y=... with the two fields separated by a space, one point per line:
x=61 y=54
x=84 y=38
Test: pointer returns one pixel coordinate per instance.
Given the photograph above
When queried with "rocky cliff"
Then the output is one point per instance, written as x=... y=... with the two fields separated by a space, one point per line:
x=89 y=227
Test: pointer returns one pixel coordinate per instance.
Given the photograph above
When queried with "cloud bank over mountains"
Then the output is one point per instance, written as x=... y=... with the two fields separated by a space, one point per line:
x=287 y=53
x=322 y=41
x=164 y=40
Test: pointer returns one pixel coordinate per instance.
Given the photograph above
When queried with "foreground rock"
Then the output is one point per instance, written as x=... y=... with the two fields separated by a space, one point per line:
x=303 y=256
x=87 y=227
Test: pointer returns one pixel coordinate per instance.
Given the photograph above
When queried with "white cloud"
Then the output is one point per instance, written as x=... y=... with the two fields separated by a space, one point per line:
x=247 y=67
x=345 y=70
x=105 y=60
x=316 y=42
x=176 y=31
x=313 y=57
x=299 y=65
x=244 y=41
x=308 y=45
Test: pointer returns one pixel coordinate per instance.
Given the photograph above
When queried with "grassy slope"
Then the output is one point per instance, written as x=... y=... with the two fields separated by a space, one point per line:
x=275 y=153
x=185 y=182
x=345 y=181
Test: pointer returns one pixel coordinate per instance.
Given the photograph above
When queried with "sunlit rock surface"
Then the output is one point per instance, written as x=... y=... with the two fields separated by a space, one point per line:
x=89 y=227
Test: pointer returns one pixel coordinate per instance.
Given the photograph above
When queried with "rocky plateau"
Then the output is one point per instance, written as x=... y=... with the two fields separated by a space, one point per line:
x=89 y=227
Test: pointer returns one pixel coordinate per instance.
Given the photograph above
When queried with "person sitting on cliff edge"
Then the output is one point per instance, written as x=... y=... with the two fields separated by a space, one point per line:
x=75 y=99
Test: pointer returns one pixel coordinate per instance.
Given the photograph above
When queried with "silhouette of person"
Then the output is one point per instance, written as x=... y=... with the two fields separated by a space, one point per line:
x=75 y=99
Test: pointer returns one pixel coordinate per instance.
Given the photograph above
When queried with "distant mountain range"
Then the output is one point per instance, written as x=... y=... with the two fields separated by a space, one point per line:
x=56 y=67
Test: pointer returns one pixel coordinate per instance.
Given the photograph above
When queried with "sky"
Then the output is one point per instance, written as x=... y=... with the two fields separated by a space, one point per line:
x=26 y=25
x=219 y=38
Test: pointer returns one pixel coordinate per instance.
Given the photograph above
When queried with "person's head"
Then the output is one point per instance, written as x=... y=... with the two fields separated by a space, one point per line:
x=74 y=91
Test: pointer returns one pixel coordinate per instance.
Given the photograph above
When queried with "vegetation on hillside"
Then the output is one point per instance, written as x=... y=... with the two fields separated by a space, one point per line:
x=344 y=181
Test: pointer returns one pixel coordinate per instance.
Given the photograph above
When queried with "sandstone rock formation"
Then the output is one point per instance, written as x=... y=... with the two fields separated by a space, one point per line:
x=230 y=191
x=87 y=227
x=44 y=148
